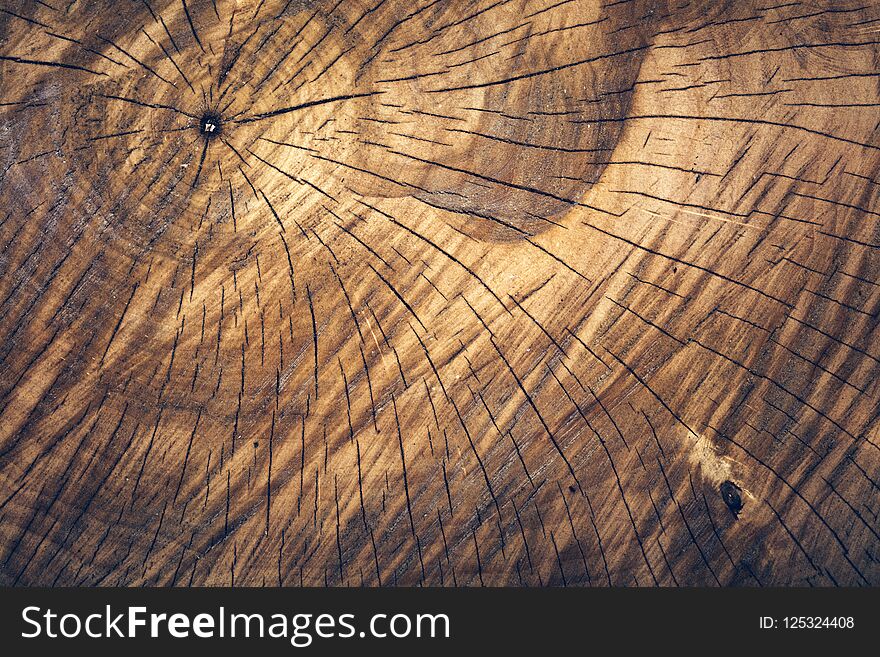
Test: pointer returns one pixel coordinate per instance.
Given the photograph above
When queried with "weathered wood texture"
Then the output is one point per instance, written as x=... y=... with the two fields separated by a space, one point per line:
x=451 y=292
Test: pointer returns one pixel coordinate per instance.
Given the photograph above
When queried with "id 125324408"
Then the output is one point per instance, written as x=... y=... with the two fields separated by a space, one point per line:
x=808 y=623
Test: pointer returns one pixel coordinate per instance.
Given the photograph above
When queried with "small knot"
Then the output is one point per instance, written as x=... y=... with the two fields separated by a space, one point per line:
x=730 y=493
x=210 y=125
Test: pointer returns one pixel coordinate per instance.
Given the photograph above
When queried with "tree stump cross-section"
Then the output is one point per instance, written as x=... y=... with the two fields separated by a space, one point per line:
x=440 y=292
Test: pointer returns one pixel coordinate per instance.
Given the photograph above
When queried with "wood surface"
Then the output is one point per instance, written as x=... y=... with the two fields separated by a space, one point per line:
x=439 y=292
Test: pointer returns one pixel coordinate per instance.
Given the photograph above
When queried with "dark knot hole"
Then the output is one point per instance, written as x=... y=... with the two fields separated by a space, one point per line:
x=731 y=494
x=210 y=125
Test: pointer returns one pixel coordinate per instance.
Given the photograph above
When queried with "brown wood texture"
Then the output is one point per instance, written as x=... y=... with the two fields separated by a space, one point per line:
x=439 y=292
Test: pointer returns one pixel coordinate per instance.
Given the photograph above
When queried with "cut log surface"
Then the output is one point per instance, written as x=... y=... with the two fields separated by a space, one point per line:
x=439 y=292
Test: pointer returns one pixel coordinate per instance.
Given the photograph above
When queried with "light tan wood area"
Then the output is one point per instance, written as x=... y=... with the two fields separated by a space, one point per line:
x=441 y=292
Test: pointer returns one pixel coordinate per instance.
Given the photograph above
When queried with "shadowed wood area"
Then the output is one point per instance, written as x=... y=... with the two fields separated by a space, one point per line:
x=439 y=292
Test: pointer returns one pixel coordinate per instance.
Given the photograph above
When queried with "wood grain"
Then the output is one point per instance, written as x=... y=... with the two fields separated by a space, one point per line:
x=439 y=292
